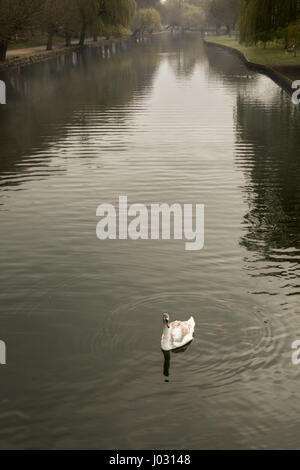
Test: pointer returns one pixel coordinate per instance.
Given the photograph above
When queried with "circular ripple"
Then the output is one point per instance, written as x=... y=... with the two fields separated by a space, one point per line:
x=229 y=339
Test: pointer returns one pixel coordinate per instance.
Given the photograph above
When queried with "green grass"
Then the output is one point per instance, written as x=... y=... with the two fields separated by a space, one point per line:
x=272 y=55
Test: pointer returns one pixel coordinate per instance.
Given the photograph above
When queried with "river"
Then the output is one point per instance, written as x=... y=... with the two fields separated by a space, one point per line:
x=168 y=120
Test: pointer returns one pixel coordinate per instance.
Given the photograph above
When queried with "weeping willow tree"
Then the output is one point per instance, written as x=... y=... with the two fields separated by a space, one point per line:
x=261 y=19
x=116 y=13
x=100 y=15
x=88 y=11
x=146 y=20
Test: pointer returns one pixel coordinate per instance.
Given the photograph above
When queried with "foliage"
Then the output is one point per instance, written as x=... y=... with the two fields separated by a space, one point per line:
x=223 y=13
x=291 y=36
x=172 y=13
x=16 y=17
x=148 y=4
x=188 y=14
x=192 y=16
x=293 y=33
x=64 y=17
x=261 y=20
x=117 y=31
x=53 y=19
x=117 y=12
x=147 y=20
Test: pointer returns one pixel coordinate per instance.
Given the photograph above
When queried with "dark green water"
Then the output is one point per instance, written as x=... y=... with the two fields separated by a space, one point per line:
x=165 y=121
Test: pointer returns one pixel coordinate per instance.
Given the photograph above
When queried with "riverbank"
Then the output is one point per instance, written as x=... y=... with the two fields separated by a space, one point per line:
x=273 y=61
x=32 y=55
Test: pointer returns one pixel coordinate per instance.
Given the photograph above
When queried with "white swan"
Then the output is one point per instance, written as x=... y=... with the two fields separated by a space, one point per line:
x=176 y=334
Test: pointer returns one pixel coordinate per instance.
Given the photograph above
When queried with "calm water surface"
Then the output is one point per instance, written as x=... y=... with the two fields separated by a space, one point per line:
x=165 y=121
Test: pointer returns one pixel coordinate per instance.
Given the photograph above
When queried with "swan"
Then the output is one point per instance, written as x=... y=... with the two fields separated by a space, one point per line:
x=176 y=334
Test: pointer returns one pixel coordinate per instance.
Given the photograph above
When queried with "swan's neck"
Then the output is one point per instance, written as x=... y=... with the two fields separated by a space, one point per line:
x=166 y=331
x=166 y=338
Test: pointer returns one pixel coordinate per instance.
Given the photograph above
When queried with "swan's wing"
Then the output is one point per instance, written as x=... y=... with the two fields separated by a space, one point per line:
x=191 y=322
x=181 y=333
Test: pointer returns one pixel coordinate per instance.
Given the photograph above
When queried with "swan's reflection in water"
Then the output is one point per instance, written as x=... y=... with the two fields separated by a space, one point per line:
x=167 y=358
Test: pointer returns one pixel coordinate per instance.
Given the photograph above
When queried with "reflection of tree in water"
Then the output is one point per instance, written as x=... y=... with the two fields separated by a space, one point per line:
x=43 y=98
x=230 y=68
x=268 y=152
x=185 y=53
x=268 y=137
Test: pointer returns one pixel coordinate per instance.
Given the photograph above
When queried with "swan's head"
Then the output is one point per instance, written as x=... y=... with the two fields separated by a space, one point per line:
x=166 y=320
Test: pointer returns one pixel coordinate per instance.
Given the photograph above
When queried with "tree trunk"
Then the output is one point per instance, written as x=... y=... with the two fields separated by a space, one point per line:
x=68 y=39
x=3 y=50
x=50 y=42
x=82 y=35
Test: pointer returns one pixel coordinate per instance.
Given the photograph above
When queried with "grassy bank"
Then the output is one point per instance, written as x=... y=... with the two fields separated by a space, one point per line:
x=34 y=41
x=272 y=56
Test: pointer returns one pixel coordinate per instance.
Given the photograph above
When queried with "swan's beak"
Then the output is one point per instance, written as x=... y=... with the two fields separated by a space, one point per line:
x=167 y=323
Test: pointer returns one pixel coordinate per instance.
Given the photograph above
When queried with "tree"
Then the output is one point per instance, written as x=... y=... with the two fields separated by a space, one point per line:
x=116 y=13
x=59 y=16
x=185 y=14
x=231 y=14
x=148 y=4
x=223 y=13
x=71 y=20
x=261 y=19
x=193 y=17
x=88 y=11
x=65 y=17
x=293 y=35
x=16 y=17
x=147 y=20
x=172 y=13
